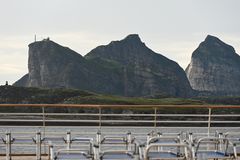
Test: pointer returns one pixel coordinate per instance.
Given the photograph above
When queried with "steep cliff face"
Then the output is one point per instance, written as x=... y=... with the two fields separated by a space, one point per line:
x=52 y=66
x=143 y=72
x=215 y=67
x=125 y=67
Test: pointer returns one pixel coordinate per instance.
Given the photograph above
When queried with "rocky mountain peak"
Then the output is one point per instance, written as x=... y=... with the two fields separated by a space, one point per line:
x=129 y=48
x=216 y=42
x=215 y=67
x=213 y=47
x=141 y=67
x=211 y=38
x=45 y=43
x=133 y=38
x=49 y=48
x=48 y=63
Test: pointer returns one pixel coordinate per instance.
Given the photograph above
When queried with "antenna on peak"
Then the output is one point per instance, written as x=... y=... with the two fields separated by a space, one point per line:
x=35 y=38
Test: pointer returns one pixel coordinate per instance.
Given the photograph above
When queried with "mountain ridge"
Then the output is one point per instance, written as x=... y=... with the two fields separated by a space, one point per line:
x=126 y=67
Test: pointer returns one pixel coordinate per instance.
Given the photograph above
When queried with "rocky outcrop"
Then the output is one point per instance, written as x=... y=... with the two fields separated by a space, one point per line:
x=52 y=66
x=125 y=67
x=215 y=68
x=143 y=72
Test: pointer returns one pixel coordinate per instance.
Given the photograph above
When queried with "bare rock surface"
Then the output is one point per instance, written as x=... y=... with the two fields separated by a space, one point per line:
x=126 y=67
x=215 y=68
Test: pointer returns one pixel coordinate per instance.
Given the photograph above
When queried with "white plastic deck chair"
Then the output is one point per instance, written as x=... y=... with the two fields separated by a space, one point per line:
x=166 y=147
x=75 y=153
x=127 y=141
x=234 y=139
x=117 y=155
x=72 y=154
x=208 y=148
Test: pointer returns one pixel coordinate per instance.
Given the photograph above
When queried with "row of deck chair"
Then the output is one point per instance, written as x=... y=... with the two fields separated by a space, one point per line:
x=159 y=146
x=181 y=146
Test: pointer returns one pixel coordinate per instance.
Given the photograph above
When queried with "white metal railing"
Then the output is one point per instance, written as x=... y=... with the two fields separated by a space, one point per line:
x=99 y=116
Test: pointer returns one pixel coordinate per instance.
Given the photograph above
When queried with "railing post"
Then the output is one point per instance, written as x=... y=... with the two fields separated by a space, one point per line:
x=193 y=152
x=52 y=156
x=186 y=152
x=159 y=134
x=221 y=145
x=235 y=151
x=100 y=117
x=96 y=151
x=38 y=145
x=155 y=118
x=190 y=137
x=8 y=146
x=43 y=120
x=129 y=140
x=98 y=139
x=209 y=120
x=148 y=138
x=44 y=125
x=68 y=140
x=91 y=147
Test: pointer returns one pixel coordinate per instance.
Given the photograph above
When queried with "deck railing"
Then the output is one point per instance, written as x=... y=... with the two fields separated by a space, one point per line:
x=107 y=115
x=100 y=116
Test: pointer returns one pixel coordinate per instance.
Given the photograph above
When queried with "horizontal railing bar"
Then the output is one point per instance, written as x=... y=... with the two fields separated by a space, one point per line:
x=115 y=121
x=133 y=115
x=85 y=127
x=40 y=120
x=119 y=106
x=76 y=134
x=16 y=114
x=81 y=133
x=96 y=114
x=225 y=115
x=131 y=121
x=121 y=115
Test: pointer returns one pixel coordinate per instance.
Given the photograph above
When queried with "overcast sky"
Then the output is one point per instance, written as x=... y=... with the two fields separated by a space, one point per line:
x=173 y=28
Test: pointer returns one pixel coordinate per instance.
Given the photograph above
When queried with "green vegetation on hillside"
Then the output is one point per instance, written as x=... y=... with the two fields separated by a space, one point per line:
x=12 y=94
x=105 y=99
x=22 y=95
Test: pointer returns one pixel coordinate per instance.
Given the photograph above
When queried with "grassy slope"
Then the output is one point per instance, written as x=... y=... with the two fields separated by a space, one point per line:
x=104 y=99
x=11 y=94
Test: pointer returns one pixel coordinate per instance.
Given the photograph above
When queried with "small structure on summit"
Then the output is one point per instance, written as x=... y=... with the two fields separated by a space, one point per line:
x=46 y=39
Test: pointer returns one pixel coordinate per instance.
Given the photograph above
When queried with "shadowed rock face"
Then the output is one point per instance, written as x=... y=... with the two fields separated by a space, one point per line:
x=125 y=67
x=51 y=65
x=215 y=67
x=143 y=72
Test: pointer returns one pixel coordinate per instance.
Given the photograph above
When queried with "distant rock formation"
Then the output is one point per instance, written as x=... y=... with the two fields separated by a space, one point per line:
x=125 y=67
x=52 y=66
x=215 y=68
x=143 y=72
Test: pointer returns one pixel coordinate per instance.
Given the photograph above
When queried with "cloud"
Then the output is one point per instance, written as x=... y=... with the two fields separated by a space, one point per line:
x=12 y=67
